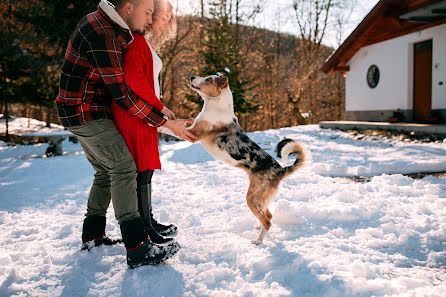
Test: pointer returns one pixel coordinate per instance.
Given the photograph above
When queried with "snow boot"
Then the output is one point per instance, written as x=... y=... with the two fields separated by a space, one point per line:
x=145 y=210
x=93 y=233
x=140 y=250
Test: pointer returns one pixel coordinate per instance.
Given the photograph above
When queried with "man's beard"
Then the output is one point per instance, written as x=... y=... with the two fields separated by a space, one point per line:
x=138 y=31
x=142 y=32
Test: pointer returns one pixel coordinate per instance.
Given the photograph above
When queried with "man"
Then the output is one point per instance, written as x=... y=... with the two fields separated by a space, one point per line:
x=91 y=76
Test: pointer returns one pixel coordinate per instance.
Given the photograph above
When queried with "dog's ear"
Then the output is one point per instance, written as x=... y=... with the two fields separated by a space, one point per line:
x=222 y=81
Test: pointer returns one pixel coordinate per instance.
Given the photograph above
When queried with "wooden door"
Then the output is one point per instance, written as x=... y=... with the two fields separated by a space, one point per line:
x=422 y=87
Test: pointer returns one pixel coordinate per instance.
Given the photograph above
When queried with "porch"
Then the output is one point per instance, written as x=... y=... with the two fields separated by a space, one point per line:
x=425 y=129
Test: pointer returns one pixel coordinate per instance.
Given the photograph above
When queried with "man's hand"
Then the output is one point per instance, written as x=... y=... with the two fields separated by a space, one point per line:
x=178 y=127
x=168 y=113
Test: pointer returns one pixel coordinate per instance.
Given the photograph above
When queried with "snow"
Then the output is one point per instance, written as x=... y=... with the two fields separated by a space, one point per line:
x=20 y=125
x=331 y=236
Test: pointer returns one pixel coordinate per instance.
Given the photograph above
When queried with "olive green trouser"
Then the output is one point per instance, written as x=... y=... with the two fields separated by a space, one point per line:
x=115 y=176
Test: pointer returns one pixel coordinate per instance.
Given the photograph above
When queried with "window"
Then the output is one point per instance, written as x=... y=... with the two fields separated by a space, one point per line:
x=373 y=76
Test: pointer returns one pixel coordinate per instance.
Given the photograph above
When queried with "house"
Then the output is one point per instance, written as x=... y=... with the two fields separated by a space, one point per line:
x=394 y=63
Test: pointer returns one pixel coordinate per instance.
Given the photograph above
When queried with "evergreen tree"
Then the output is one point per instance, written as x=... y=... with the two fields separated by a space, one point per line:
x=14 y=59
x=221 y=52
x=48 y=27
x=53 y=22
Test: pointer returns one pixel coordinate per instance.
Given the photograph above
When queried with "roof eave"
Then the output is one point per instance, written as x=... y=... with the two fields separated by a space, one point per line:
x=332 y=61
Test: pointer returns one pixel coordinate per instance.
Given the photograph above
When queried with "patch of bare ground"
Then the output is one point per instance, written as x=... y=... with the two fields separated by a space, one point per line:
x=416 y=175
x=371 y=134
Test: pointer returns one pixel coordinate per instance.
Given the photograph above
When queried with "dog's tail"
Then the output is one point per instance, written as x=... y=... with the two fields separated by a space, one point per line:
x=287 y=147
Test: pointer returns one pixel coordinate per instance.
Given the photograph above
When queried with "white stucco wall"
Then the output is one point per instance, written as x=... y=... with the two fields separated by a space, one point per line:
x=394 y=59
x=439 y=68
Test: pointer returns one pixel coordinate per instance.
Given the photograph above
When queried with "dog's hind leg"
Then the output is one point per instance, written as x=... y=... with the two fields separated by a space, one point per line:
x=266 y=224
x=268 y=214
x=259 y=239
x=255 y=203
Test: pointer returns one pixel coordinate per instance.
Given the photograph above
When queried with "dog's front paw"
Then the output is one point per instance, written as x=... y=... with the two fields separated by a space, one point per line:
x=257 y=241
x=258 y=227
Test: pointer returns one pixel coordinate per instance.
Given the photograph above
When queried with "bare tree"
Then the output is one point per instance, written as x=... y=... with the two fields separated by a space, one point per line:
x=244 y=14
x=170 y=53
x=342 y=18
x=314 y=18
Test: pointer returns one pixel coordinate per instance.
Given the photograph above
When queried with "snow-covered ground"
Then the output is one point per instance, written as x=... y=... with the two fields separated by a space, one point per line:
x=330 y=236
x=19 y=125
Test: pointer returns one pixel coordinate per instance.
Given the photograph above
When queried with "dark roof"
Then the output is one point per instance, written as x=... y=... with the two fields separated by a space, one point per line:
x=387 y=20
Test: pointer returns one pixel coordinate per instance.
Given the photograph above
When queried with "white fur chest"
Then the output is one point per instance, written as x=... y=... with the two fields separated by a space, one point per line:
x=213 y=115
x=218 y=109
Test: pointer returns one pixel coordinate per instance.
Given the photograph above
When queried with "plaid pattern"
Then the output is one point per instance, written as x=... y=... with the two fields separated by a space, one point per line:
x=92 y=75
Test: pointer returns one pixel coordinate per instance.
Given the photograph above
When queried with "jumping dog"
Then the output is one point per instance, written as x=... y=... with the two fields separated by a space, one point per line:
x=217 y=128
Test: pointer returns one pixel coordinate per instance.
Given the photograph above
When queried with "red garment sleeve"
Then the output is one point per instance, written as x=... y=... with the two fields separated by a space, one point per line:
x=141 y=82
x=105 y=55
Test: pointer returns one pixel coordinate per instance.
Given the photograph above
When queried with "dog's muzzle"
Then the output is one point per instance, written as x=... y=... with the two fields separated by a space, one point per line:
x=192 y=85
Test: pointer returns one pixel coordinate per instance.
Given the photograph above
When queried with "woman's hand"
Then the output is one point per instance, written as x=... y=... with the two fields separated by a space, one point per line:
x=168 y=113
x=178 y=127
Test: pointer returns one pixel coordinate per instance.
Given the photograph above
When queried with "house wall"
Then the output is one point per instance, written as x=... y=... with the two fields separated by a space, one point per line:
x=394 y=91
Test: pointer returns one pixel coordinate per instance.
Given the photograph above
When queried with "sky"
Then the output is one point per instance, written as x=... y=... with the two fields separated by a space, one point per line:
x=280 y=14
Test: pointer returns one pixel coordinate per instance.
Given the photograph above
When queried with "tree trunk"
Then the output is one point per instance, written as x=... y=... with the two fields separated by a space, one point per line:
x=296 y=111
x=27 y=115
x=48 y=116
x=41 y=113
x=202 y=24
x=6 y=122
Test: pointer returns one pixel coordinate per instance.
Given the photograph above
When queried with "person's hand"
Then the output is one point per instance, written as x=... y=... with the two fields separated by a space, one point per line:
x=178 y=127
x=168 y=113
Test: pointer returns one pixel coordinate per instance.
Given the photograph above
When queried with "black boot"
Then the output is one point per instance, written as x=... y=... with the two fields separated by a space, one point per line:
x=93 y=233
x=140 y=250
x=144 y=208
x=164 y=230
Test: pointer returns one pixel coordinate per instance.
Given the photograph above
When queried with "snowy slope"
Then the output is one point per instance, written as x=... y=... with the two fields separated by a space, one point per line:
x=330 y=235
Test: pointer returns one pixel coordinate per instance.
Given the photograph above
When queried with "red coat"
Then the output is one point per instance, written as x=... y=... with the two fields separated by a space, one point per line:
x=141 y=139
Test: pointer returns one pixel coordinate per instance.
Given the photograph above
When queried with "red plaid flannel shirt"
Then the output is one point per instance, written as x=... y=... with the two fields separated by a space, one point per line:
x=92 y=75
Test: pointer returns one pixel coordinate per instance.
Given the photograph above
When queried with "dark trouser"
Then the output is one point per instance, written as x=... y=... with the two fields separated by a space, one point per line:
x=115 y=177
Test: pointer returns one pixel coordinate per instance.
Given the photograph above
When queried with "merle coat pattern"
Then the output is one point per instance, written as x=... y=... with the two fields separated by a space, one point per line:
x=220 y=134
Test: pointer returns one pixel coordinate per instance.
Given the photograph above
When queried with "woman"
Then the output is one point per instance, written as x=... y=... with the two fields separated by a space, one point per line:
x=142 y=66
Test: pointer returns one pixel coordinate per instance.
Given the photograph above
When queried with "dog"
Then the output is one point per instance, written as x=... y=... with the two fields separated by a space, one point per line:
x=217 y=128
